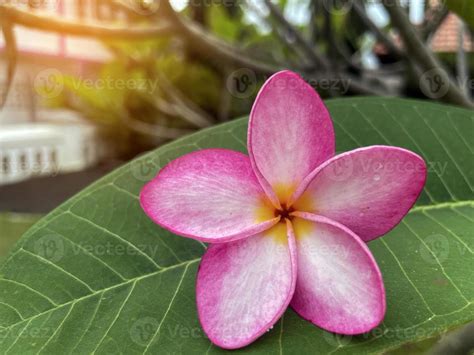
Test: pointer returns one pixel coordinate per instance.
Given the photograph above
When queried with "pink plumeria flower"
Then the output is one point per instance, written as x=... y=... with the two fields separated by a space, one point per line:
x=288 y=223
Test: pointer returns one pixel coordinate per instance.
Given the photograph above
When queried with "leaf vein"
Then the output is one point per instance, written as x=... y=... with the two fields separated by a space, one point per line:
x=58 y=306
x=448 y=230
x=18 y=283
x=407 y=277
x=57 y=267
x=17 y=312
x=437 y=260
x=85 y=251
x=57 y=329
x=116 y=316
x=168 y=309
x=445 y=148
x=145 y=255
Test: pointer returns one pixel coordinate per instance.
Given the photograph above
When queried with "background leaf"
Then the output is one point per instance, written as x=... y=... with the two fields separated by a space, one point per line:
x=97 y=275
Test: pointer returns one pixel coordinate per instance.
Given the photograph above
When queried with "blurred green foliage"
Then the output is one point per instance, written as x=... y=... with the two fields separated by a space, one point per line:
x=151 y=66
x=12 y=227
x=131 y=84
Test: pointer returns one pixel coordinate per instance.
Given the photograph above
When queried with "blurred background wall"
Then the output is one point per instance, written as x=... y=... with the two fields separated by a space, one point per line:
x=89 y=84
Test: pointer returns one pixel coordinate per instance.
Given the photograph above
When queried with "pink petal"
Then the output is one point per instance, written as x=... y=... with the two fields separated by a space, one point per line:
x=339 y=286
x=290 y=134
x=210 y=195
x=369 y=190
x=244 y=287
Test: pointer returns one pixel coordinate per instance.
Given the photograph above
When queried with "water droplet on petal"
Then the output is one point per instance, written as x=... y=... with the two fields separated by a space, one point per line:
x=376 y=177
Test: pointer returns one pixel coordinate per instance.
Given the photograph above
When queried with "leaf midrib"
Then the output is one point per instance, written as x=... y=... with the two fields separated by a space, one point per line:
x=98 y=292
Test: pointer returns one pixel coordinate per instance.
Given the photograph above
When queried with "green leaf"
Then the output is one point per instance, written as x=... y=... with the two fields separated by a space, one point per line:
x=97 y=275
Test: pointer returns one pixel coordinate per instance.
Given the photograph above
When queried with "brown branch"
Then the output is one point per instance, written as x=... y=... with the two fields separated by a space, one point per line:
x=198 y=38
x=164 y=106
x=153 y=130
x=184 y=107
x=312 y=52
x=432 y=25
x=372 y=27
x=47 y=23
x=462 y=67
x=11 y=56
x=283 y=37
x=208 y=45
x=315 y=8
x=363 y=87
x=213 y=45
x=421 y=55
x=196 y=35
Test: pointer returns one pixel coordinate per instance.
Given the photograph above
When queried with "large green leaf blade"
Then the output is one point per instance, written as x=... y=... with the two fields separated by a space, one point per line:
x=98 y=275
